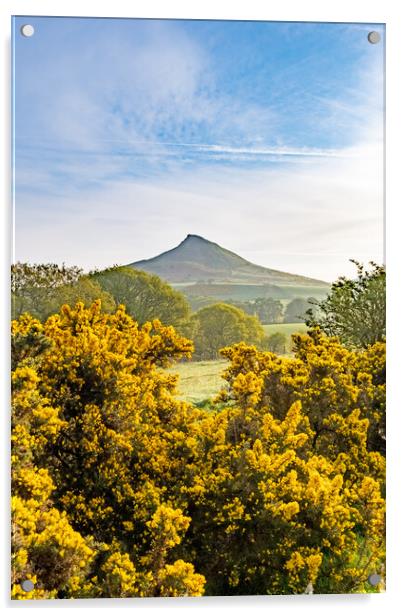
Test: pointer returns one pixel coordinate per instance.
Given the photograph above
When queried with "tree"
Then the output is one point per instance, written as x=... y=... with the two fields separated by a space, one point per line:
x=220 y=325
x=266 y=309
x=355 y=308
x=296 y=310
x=276 y=343
x=145 y=296
x=44 y=275
x=84 y=290
x=42 y=289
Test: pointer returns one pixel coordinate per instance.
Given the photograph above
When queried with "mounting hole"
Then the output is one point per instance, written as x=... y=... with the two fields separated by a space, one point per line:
x=27 y=30
x=374 y=579
x=27 y=585
x=374 y=37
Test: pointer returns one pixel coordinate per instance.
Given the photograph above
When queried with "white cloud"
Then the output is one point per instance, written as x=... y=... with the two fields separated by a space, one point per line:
x=308 y=219
x=301 y=209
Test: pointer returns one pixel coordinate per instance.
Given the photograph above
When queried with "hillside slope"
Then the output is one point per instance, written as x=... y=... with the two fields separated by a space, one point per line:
x=197 y=260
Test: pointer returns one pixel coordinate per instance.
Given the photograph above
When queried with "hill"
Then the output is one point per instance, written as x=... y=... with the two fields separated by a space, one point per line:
x=197 y=260
x=207 y=273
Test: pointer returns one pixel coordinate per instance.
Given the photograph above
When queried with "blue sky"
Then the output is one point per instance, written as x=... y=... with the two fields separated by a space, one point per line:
x=264 y=137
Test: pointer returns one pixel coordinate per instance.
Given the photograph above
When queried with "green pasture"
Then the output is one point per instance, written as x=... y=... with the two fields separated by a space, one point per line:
x=285 y=328
x=199 y=380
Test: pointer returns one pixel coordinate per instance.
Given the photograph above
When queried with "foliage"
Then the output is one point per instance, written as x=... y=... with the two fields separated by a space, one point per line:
x=120 y=489
x=220 y=325
x=38 y=276
x=145 y=296
x=312 y=426
x=276 y=343
x=266 y=309
x=296 y=310
x=271 y=516
x=288 y=329
x=96 y=425
x=355 y=308
x=42 y=289
x=45 y=547
x=328 y=379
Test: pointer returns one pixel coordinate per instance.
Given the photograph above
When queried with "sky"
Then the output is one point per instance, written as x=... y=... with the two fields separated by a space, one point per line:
x=265 y=137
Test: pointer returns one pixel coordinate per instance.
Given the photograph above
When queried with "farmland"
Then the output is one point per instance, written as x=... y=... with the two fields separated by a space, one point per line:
x=199 y=380
x=285 y=328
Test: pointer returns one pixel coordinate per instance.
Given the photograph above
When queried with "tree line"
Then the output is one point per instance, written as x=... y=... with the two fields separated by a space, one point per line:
x=271 y=311
x=354 y=309
x=42 y=289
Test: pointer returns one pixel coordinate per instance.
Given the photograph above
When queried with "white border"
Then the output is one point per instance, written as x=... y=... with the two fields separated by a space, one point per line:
x=385 y=11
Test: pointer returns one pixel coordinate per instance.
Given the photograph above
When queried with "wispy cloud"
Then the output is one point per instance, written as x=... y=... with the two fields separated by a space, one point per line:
x=309 y=219
x=267 y=139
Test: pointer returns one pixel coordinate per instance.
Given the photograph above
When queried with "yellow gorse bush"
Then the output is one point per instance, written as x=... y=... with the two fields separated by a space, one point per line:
x=120 y=489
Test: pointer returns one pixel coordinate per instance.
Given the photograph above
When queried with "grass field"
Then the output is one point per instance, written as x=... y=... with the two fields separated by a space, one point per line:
x=199 y=380
x=285 y=328
x=202 y=294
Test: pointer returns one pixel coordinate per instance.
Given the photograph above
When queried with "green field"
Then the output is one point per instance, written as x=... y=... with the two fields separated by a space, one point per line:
x=285 y=328
x=199 y=380
x=203 y=294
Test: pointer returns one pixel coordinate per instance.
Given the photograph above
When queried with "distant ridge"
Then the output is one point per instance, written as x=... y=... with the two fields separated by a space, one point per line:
x=197 y=260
